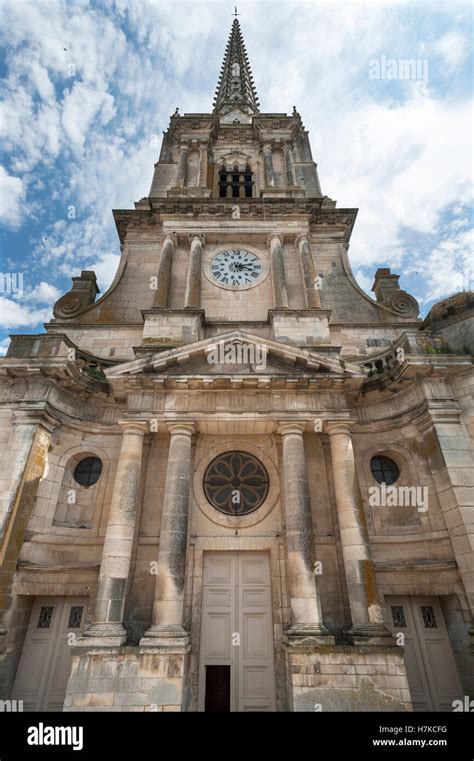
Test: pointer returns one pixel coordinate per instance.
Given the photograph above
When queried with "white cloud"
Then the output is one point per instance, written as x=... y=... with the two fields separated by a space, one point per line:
x=105 y=268
x=397 y=170
x=14 y=314
x=452 y=48
x=43 y=293
x=450 y=265
x=80 y=107
x=41 y=80
x=12 y=193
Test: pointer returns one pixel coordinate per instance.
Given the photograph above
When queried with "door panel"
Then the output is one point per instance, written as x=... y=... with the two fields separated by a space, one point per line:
x=237 y=629
x=437 y=653
x=45 y=660
x=401 y=620
x=431 y=669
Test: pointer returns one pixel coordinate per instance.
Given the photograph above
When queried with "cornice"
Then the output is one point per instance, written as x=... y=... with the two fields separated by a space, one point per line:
x=314 y=211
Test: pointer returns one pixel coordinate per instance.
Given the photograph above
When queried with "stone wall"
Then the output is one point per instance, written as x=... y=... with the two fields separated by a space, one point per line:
x=126 y=679
x=347 y=679
x=132 y=292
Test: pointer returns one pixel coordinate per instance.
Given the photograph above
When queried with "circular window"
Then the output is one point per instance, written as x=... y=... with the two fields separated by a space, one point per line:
x=384 y=470
x=236 y=483
x=87 y=471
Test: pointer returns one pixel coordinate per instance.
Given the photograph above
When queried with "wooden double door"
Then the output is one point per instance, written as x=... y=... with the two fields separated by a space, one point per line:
x=45 y=661
x=431 y=669
x=236 y=647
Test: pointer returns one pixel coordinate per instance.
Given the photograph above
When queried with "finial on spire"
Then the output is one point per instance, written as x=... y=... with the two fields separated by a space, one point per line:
x=235 y=12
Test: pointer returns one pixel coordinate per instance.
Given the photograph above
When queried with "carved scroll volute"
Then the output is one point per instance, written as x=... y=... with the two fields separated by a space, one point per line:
x=82 y=294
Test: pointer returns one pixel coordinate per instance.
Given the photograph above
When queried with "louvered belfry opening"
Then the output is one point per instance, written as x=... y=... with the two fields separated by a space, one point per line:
x=236 y=182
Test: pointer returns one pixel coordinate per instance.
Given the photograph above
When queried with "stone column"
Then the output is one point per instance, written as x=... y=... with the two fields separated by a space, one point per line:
x=182 y=165
x=290 y=165
x=280 y=295
x=167 y=622
x=268 y=161
x=117 y=551
x=202 y=174
x=192 y=298
x=366 y=612
x=164 y=272
x=311 y=294
x=304 y=599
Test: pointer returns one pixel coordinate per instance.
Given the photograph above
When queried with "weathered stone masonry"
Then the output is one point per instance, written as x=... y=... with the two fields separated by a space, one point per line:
x=348 y=380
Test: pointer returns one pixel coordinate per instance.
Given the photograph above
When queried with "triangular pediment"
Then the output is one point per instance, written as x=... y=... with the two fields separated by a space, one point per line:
x=231 y=159
x=236 y=116
x=238 y=354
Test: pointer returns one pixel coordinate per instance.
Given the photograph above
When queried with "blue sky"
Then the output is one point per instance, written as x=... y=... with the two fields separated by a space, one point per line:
x=88 y=88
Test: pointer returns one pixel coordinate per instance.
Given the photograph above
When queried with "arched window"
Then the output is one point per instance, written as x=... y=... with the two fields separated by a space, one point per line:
x=235 y=183
x=384 y=470
x=81 y=495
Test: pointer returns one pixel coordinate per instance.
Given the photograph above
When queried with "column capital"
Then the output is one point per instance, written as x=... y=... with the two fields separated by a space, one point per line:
x=339 y=426
x=291 y=427
x=197 y=237
x=301 y=238
x=274 y=236
x=140 y=427
x=184 y=145
x=173 y=237
x=181 y=428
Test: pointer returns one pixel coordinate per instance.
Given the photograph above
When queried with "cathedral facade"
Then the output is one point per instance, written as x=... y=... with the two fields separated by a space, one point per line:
x=234 y=482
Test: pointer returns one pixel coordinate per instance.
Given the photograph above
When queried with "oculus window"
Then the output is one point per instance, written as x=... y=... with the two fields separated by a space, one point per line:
x=384 y=470
x=87 y=471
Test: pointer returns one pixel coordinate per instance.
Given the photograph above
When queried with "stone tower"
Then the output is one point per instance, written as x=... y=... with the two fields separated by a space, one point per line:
x=234 y=481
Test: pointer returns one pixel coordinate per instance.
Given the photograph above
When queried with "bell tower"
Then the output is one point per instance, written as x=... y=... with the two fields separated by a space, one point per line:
x=249 y=181
x=235 y=151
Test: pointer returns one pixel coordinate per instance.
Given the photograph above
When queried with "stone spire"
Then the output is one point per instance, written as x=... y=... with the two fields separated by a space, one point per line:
x=235 y=88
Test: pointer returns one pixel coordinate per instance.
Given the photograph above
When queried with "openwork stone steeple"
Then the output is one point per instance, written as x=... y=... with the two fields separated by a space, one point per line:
x=235 y=88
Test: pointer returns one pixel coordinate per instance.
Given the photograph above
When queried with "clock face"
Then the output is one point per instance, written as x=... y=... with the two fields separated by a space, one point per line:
x=236 y=267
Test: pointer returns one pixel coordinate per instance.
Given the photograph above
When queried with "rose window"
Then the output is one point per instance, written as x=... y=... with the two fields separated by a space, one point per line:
x=236 y=483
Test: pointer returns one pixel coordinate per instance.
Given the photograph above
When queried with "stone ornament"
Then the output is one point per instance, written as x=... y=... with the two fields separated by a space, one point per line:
x=389 y=294
x=82 y=294
x=67 y=306
x=236 y=483
x=404 y=304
